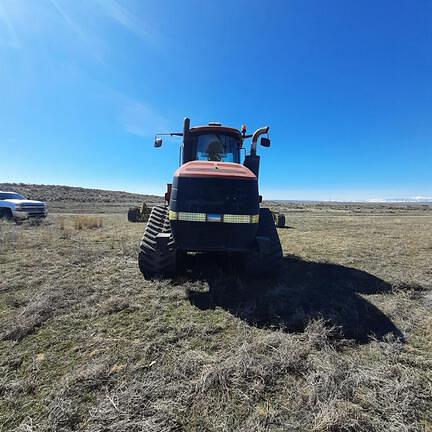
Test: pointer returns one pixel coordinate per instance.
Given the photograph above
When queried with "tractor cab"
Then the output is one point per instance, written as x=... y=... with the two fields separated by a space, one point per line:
x=216 y=147
x=213 y=142
x=217 y=143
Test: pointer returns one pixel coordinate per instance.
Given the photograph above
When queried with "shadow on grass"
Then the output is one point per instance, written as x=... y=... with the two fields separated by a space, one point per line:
x=304 y=290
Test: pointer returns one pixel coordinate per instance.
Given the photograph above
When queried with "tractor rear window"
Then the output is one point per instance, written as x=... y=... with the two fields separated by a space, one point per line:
x=218 y=148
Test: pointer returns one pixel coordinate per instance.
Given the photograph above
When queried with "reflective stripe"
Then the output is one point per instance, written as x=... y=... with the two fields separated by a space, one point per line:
x=203 y=217
x=191 y=217
x=230 y=218
x=255 y=219
x=172 y=215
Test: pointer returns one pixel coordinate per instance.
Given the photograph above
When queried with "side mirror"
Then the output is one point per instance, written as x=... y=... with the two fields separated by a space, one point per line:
x=265 y=142
x=158 y=142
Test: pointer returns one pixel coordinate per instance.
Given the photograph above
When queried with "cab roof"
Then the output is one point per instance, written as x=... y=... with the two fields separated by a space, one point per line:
x=216 y=129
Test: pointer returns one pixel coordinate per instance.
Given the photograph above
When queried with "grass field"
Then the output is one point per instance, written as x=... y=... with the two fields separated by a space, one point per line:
x=340 y=341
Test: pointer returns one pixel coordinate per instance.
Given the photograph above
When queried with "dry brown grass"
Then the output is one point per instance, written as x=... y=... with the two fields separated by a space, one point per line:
x=61 y=221
x=87 y=222
x=340 y=341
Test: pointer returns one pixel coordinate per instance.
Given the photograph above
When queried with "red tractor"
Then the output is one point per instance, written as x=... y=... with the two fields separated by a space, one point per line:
x=213 y=205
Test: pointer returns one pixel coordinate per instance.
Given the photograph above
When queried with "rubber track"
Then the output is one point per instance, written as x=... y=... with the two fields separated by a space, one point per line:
x=151 y=261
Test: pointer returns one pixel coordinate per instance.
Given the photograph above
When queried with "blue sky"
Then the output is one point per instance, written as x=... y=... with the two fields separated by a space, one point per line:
x=346 y=87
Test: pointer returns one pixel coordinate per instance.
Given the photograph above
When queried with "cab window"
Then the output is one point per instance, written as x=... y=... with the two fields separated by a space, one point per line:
x=10 y=195
x=217 y=148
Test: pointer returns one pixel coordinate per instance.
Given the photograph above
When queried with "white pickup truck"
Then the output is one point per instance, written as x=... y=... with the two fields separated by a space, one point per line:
x=14 y=206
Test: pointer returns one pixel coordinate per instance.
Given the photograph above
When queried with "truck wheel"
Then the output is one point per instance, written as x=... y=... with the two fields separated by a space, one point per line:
x=280 y=220
x=266 y=262
x=6 y=214
x=133 y=214
x=152 y=261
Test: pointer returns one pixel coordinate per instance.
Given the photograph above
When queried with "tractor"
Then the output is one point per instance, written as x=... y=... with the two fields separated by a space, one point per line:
x=212 y=205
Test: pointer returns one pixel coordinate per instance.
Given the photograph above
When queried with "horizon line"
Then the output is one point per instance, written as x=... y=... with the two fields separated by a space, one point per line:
x=418 y=199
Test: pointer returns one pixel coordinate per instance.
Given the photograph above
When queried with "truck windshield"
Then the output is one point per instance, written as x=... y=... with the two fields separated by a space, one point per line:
x=10 y=195
x=218 y=148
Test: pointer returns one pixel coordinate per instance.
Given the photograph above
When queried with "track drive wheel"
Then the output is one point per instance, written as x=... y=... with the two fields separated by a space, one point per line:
x=268 y=260
x=154 y=261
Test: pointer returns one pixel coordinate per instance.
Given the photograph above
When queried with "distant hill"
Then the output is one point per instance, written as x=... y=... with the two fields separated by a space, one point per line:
x=71 y=199
x=417 y=200
x=77 y=199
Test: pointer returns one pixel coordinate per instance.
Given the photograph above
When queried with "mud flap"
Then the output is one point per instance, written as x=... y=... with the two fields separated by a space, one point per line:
x=264 y=244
